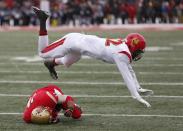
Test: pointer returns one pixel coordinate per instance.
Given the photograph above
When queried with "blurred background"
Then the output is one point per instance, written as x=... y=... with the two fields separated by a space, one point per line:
x=92 y=12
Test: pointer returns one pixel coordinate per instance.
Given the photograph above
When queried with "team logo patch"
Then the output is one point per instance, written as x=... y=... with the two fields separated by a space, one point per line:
x=135 y=41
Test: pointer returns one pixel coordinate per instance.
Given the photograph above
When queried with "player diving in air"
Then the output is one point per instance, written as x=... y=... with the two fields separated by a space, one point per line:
x=69 y=49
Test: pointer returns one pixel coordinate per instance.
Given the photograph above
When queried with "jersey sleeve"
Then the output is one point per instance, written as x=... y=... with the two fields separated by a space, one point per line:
x=122 y=62
x=137 y=85
x=64 y=103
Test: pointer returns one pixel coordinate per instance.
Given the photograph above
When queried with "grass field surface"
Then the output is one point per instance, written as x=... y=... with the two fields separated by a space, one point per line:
x=97 y=87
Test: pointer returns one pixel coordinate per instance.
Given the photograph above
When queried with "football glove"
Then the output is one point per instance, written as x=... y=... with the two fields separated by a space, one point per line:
x=145 y=92
x=144 y=102
x=68 y=112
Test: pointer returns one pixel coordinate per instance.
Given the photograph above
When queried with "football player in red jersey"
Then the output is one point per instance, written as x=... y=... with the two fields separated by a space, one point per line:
x=69 y=49
x=45 y=103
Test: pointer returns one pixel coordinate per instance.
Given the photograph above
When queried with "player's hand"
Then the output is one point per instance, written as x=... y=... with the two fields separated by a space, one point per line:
x=145 y=92
x=144 y=102
x=68 y=113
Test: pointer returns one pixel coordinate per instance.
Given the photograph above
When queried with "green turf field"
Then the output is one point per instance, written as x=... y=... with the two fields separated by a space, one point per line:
x=97 y=86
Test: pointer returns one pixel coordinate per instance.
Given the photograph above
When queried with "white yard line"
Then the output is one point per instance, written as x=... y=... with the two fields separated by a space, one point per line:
x=160 y=73
x=100 y=65
x=90 y=72
x=131 y=115
x=87 y=83
x=13 y=95
x=154 y=49
x=22 y=58
x=95 y=96
x=109 y=115
x=98 y=96
x=161 y=59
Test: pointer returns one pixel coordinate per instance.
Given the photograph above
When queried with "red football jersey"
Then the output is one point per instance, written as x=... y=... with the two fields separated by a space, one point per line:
x=46 y=96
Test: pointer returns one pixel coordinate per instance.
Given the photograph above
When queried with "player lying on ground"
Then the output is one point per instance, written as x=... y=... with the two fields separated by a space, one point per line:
x=45 y=103
x=71 y=47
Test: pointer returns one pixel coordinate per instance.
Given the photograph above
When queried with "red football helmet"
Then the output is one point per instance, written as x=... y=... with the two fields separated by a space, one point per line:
x=136 y=44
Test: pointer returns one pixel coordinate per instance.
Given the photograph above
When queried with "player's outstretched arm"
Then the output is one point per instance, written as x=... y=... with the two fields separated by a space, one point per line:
x=122 y=64
x=141 y=90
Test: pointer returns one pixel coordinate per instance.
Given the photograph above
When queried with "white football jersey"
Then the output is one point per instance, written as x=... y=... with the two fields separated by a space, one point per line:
x=96 y=47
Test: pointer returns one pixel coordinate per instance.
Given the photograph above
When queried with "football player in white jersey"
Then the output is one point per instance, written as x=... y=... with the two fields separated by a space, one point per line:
x=71 y=47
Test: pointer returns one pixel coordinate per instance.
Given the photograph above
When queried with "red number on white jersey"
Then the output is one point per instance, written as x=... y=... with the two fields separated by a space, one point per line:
x=113 y=41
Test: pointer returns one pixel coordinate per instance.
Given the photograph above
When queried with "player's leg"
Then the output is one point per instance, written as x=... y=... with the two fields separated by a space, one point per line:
x=50 y=53
x=67 y=61
x=43 y=40
x=43 y=36
x=53 y=50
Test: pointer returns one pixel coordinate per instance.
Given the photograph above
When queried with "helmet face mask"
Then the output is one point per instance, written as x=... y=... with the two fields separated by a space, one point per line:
x=137 y=55
x=41 y=115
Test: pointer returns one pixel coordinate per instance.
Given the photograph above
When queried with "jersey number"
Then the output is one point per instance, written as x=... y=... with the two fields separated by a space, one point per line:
x=30 y=101
x=113 y=42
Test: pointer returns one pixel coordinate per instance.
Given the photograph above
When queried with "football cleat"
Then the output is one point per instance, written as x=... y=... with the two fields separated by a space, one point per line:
x=50 y=65
x=42 y=15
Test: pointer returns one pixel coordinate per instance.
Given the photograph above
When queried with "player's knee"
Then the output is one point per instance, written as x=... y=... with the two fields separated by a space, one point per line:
x=44 y=56
x=67 y=64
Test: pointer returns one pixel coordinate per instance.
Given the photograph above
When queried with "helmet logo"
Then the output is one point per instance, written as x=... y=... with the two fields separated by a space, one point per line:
x=135 y=41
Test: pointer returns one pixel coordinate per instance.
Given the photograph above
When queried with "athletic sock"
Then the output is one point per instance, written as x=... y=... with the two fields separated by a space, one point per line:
x=43 y=30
